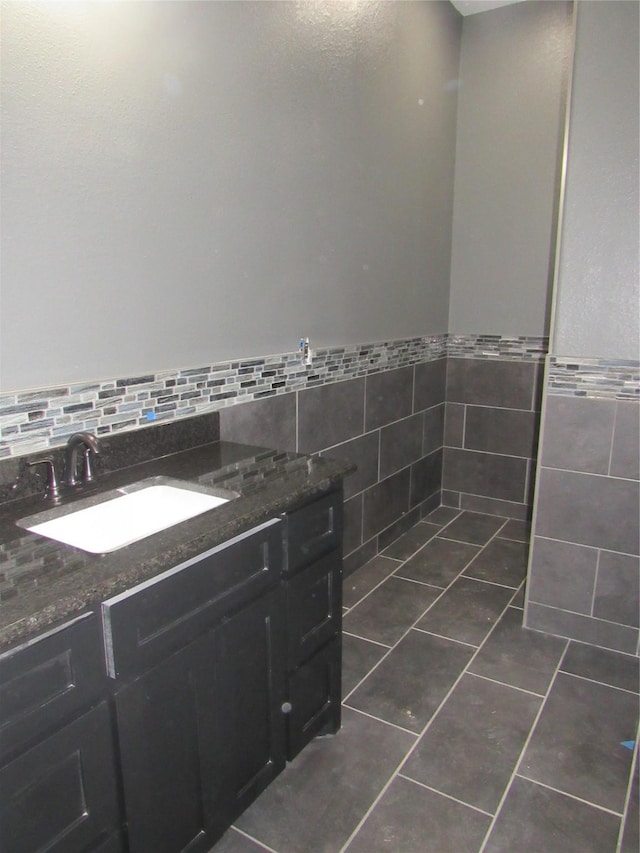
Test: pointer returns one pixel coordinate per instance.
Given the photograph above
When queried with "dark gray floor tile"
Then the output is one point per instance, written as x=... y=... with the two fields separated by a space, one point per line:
x=442 y=515
x=576 y=746
x=473 y=527
x=366 y=578
x=539 y=820
x=466 y=611
x=406 y=521
x=389 y=611
x=439 y=562
x=358 y=658
x=502 y=561
x=410 y=541
x=513 y=655
x=603 y=665
x=412 y=680
x=519 y=531
x=472 y=746
x=321 y=796
x=235 y=842
x=412 y=819
x=630 y=841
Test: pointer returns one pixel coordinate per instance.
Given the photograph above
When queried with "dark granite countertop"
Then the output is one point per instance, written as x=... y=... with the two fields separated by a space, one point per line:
x=44 y=582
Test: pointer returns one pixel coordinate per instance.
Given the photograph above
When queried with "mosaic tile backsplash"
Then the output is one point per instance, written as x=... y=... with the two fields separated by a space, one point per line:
x=35 y=420
x=591 y=377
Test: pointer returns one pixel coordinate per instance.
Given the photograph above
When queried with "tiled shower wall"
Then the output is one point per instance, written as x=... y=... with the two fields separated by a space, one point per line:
x=390 y=424
x=584 y=570
x=491 y=434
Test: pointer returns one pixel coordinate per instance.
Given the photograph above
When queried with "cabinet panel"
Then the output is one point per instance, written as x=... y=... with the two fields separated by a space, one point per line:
x=251 y=652
x=145 y=624
x=61 y=795
x=313 y=531
x=202 y=733
x=314 y=602
x=45 y=682
x=314 y=694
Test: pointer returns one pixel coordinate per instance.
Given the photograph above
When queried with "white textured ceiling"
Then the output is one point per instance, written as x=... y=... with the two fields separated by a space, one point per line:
x=470 y=7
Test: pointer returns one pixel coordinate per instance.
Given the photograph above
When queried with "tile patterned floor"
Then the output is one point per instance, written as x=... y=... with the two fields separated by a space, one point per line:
x=462 y=731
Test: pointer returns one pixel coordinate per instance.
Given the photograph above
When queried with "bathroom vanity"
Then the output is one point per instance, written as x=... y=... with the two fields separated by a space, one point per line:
x=151 y=719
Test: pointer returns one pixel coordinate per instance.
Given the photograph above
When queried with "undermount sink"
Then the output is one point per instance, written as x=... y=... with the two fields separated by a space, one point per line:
x=133 y=513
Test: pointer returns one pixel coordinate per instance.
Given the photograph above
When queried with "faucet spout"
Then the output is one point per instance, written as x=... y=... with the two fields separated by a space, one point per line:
x=89 y=442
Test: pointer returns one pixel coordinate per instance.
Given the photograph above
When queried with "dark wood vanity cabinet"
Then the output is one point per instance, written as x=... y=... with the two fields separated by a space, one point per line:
x=151 y=729
x=200 y=727
x=58 y=789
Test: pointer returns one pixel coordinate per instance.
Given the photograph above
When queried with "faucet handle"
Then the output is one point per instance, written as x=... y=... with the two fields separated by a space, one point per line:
x=87 y=469
x=51 y=489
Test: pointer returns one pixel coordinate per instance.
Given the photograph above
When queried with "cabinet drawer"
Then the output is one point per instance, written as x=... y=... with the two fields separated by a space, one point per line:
x=314 y=695
x=61 y=796
x=45 y=682
x=148 y=622
x=313 y=531
x=314 y=607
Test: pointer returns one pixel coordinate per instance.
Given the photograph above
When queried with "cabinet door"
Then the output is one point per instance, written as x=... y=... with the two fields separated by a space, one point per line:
x=202 y=733
x=314 y=695
x=61 y=795
x=252 y=666
x=166 y=731
x=314 y=607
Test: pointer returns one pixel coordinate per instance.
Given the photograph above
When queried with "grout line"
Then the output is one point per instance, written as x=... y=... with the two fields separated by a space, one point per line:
x=443 y=794
x=367 y=640
x=595 y=681
x=491 y=583
x=380 y=720
x=525 y=746
x=627 y=799
x=567 y=794
x=506 y=684
x=595 y=586
x=254 y=839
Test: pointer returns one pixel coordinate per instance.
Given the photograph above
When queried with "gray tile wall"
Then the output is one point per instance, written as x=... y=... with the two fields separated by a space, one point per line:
x=390 y=424
x=490 y=435
x=584 y=568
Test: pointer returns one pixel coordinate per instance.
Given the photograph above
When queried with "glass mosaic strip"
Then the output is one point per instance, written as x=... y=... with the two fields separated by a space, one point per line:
x=592 y=377
x=34 y=420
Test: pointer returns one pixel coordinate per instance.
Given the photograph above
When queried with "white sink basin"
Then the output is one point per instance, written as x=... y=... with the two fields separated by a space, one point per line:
x=125 y=519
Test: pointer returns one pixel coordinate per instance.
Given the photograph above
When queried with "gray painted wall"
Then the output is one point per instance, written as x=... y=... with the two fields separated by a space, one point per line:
x=597 y=309
x=513 y=72
x=187 y=182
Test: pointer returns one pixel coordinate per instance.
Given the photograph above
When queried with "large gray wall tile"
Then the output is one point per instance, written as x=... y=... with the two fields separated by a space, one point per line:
x=501 y=431
x=625 y=453
x=589 y=510
x=267 y=423
x=363 y=451
x=577 y=434
x=507 y=384
x=454 y=424
x=352 y=524
x=433 y=436
x=586 y=629
x=562 y=574
x=389 y=397
x=430 y=384
x=400 y=444
x=426 y=477
x=488 y=474
x=617 y=594
x=330 y=414
x=385 y=502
